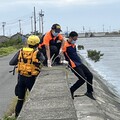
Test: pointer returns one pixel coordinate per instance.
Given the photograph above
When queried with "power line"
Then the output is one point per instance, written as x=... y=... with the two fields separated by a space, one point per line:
x=31 y=21
x=11 y=23
x=20 y=17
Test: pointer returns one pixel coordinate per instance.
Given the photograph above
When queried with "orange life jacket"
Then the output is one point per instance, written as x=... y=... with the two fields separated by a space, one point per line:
x=28 y=64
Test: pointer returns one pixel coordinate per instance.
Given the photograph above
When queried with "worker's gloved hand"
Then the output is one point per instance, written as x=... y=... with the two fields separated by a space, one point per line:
x=49 y=63
x=64 y=61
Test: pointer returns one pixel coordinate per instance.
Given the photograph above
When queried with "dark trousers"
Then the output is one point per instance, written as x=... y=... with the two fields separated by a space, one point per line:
x=24 y=83
x=54 y=50
x=86 y=74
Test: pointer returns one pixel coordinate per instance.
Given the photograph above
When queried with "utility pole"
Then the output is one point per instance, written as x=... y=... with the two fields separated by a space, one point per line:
x=34 y=21
x=67 y=31
x=89 y=30
x=31 y=24
x=20 y=26
x=39 y=23
x=109 y=29
x=41 y=16
x=83 y=29
x=3 y=25
x=103 y=28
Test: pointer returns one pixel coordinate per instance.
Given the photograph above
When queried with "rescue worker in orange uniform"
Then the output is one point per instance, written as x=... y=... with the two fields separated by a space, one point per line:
x=28 y=61
x=51 y=44
x=76 y=65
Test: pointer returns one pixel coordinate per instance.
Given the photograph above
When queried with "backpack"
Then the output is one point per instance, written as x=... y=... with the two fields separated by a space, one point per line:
x=28 y=64
x=41 y=39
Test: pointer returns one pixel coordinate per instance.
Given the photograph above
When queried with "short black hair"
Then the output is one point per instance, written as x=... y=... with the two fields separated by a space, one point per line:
x=73 y=34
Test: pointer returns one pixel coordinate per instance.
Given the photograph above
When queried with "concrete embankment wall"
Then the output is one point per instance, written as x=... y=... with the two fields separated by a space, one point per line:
x=50 y=99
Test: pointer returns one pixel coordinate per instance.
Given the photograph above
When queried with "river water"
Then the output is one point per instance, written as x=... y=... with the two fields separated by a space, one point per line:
x=109 y=65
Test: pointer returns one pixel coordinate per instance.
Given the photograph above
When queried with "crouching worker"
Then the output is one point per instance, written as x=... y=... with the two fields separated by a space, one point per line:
x=51 y=45
x=28 y=61
x=77 y=67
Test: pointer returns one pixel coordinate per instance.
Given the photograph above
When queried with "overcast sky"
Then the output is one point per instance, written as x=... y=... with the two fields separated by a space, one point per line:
x=94 y=15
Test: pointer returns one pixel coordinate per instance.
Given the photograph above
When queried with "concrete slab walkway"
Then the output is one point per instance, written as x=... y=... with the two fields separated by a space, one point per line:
x=50 y=99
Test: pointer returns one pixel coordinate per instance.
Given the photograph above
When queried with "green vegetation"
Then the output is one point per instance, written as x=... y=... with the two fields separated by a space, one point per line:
x=7 y=50
x=9 y=114
x=80 y=47
x=10 y=46
x=12 y=118
x=94 y=55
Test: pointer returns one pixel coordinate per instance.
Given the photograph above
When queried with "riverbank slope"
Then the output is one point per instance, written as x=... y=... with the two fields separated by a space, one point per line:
x=50 y=99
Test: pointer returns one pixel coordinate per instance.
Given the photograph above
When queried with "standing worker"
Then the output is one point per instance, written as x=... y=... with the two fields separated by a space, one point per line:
x=77 y=67
x=28 y=61
x=51 y=45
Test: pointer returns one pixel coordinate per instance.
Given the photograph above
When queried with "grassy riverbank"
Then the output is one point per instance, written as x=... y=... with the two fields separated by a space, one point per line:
x=7 y=50
x=10 y=46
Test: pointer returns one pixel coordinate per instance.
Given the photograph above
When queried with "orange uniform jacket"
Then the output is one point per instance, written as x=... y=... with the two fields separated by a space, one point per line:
x=71 y=55
x=49 y=39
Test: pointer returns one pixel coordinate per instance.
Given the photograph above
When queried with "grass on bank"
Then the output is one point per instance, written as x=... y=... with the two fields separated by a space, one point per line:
x=10 y=111
x=10 y=46
x=7 y=50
